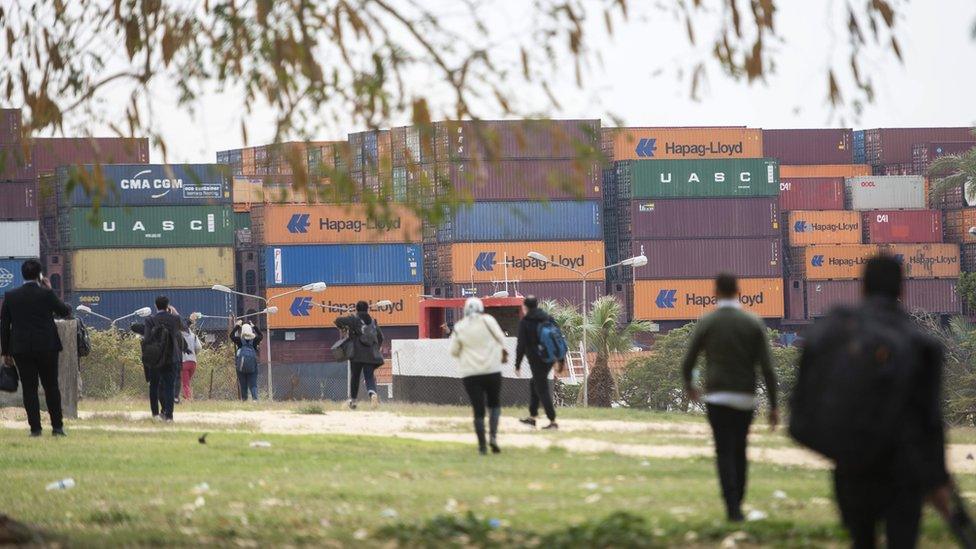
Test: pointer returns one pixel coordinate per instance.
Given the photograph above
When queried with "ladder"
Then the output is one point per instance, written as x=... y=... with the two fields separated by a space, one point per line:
x=576 y=367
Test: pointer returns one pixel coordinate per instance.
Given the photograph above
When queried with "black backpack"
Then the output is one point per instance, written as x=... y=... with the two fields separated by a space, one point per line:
x=157 y=346
x=369 y=336
x=853 y=386
x=84 y=342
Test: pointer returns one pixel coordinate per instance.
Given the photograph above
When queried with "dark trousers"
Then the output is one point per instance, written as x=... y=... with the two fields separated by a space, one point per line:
x=248 y=382
x=367 y=371
x=161 y=394
x=539 y=391
x=43 y=367
x=866 y=500
x=730 y=429
x=482 y=390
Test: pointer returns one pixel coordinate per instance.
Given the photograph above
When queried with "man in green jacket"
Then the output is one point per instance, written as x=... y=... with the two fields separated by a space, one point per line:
x=734 y=342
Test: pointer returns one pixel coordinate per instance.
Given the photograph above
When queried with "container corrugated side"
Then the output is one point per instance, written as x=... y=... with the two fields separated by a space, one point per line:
x=957 y=225
x=691 y=299
x=148 y=226
x=10 y=277
x=515 y=139
x=118 y=303
x=318 y=310
x=699 y=178
x=683 y=143
x=894 y=145
x=343 y=264
x=313 y=344
x=116 y=269
x=543 y=179
x=924 y=153
x=787 y=171
x=511 y=221
x=823 y=227
x=146 y=185
x=484 y=261
x=927 y=260
x=20 y=239
x=333 y=224
x=902 y=226
x=885 y=192
x=15 y=162
x=933 y=296
x=712 y=218
x=809 y=145
x=18 y=201
x=859 y=154
x=815 y=193
x=11 y=125
x=831 y=261
x=745 y=258
x=49 y=154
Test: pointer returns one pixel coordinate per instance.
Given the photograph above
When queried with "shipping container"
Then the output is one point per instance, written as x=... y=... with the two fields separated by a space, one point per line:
x=569 y=292
x=522 y=179
x=697 y=178
x=954 y=198
x=933 y=296
x=145 y=185
x=10 y=277
x=515 y=139
x=957 y=225
x=20 y=239
x=116 y=269
x=319 y=310
x=15 y=162
x=314 y=344
x=118 y=303
x=894 y=145
x=859 y=154
x=968 y=258
x=745 y=258
x=49 y=154
x=794 y=300
x=512 y=221
x=242 y=220
x=691 y=299
x=809 y=146
x=924 y=153
x=11 y=126
x=831 y=261
x=815 y=193
x=823 y=227
x=894 y=169
x=149 y=226
x=18 y=201
x=343 y=264
x=885 y=192
x=787 y=171
x=926 y=260
x=333 y=224
x=682 y=143
x=902 y=226
x=486 y=261
x=712 y=218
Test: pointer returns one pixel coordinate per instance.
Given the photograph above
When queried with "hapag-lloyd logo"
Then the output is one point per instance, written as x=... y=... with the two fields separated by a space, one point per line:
x=358 y=225
x=927 y=261
x=807 y=226
x=704 y=301
x=485 y=261
x=715 y=148
x=394 y=307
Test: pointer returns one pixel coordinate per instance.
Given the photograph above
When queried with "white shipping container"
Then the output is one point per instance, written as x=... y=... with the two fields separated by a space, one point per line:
x=885 y=192
x=19 y=239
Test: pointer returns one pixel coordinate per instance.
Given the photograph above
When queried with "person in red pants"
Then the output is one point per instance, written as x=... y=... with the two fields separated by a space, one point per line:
x=193 y=346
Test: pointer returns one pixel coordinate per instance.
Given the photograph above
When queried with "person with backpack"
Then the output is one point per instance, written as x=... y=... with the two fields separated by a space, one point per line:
x=235 y=335
x=246 y=363
x=734 y=343
x=477 y=341
x=367 y=340
x=193 y=346
x=541 y=342
x=162 y=352
x=868 y=398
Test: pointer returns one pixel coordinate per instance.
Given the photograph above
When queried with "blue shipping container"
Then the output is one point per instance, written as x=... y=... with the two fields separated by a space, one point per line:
x=860 y=155
x=513 y=221
x=344 y=264
x=151 y=185
x=10 y=277
x=117 y=303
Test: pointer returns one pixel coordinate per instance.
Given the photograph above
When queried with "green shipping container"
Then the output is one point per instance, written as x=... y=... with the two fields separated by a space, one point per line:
x=242 y=220
x=698 y=178
x=149 y=226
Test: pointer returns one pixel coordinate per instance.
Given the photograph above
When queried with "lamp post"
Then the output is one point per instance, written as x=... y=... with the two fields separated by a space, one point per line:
x=636 y=261
x=141 y=313
x=313 y=287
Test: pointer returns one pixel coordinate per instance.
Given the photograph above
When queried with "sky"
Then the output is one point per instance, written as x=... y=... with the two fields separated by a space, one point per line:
x=636 y=79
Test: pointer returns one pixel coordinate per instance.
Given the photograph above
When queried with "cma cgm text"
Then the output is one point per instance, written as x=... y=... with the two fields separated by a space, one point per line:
x=701 y=149
x=140 y=184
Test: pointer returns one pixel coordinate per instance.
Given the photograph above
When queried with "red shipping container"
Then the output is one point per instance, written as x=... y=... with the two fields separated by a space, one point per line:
x=710 y=218
x=934 y=296
x=524 y=179
x=10 y=126
x=902 y=226
x=810 y=146
x=814 y=193
x=794 y=304
x=48 y=154
x=18 y=201
x=745 y=258
x=884 y=146
x=15 y=163
x=514 y=139
x=924 y=153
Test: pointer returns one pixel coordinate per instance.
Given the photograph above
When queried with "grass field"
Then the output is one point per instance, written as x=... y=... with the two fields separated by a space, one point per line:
x=144 y=488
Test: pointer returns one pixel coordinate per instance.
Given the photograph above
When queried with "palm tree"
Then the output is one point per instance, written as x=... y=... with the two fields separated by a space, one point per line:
x=606 y=333
x=952 y=172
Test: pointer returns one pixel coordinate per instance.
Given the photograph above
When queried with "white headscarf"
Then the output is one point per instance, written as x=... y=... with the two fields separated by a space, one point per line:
x=473 y=306
x=247 y=332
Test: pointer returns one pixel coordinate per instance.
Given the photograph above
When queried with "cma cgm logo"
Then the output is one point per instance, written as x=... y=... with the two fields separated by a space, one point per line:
x=139 y=182
x=6 y=277
x=646 y=147
x=817 y=261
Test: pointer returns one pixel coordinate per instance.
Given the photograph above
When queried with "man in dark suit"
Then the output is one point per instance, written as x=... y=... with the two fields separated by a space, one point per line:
x=29 y=339
x=162 y=380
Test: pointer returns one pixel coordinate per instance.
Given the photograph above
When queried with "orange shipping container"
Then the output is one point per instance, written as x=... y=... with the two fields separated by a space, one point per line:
x=825 y=170
x=823 y=227
x=957 y=225
x=314 y=310
x=690 y=299
x=683 y=143
x=927 y=260
x=332 y=224
x=484 y=261
x=832 y=262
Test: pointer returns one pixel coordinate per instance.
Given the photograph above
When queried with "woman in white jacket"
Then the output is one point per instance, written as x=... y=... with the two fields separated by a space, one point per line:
x=478 y=343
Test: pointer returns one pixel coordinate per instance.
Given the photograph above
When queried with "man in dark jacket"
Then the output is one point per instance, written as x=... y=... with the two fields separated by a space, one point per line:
x=894 y=490
x=162 y=381
x=734 y=342
x=367 y=340
x=29 y=339
x=528 y=347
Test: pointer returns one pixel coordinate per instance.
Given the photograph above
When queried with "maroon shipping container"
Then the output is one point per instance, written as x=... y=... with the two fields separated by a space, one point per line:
x=568 y=292
x=18 y=201
x=314 y=344
x=514 y=139
x=936 y=296
x=810 y=146
x=794 y=302
x=704 y=218
x=953 y=199
x=10 y=126
x=901 y=168
x=902 y=226
x=884 y=146
x=15 y=163
x=967 y=253
x=811 y=193
x=745 y=258
x=924 y=153
x=49 y=153
x=524 y=179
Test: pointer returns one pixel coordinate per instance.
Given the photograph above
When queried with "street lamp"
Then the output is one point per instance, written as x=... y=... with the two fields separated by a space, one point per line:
x=269 y=311
x=636 y=261
x=311 y=287
x=142 y=313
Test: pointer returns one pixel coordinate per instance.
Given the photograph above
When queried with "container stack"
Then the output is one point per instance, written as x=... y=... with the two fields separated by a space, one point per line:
x=159 y=230
x=890 y=150
x=18 y=205
x=696 y=202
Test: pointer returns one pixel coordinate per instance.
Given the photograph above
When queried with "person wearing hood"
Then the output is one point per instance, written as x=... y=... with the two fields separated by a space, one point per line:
x=528 y=347
x=477 y=341
x=367 y=340
x=235 y=335
x=246 y=360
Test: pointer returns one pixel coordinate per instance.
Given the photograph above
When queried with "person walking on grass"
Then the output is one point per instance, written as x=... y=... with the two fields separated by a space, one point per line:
x=477 y=341
x=367 y=340
x=529 y=347
x=162 y=352
x=734 y=343
x=29 y=340
x=193 y=346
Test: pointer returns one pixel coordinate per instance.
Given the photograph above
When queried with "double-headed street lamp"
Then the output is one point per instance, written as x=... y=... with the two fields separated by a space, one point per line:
x=315 y=287
x=636 y=261
x=141 y=313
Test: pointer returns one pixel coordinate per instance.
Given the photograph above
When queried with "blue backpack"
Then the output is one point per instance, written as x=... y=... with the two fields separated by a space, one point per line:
x=552 y=344
x=247 y=358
